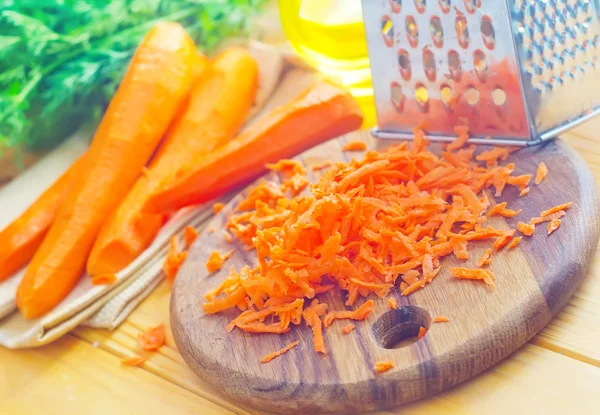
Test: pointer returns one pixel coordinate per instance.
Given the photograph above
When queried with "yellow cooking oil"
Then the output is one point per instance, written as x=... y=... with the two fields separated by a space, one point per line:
x=330 y=36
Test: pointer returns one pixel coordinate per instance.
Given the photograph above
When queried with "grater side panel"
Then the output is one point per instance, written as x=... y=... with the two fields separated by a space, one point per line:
x=457 y=68
x=558 y=48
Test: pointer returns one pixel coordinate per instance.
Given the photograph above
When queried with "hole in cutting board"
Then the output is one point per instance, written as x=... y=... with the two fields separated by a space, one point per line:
x=400 y=327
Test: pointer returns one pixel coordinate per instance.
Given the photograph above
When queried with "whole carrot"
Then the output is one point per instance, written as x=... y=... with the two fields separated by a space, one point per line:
x=320 y=113
x=20 y=239
x=153 y=88
x=218 y=105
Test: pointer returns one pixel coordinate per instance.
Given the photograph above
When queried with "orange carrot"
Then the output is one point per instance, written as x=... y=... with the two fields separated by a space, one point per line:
x=461 y=139
x=485 y=258
x=104 y=279
x=514 y=242
x=217 y=207
x=526 y=229
x=312 y=315
x=542 y=172
x=553 y=225
x=392 y=303
x=355 y=146
x=23 y=236
x=383 y=366
x=555 y=209
x=174 y=260
x=218 y=105
x=323 y=112
x=216 y=260
x=348 y=329
x=278 y=353
x=503 y=239
x=154 y=86
x=422 y=332
x=547 y=218
x=520 y=181
x=359 y=314
x=525 y=191
x=321 y=166
x=441 y=319
x=153 y=338
x=474 y=274
x=189 y=235
x=134 y=361
x=501 y=210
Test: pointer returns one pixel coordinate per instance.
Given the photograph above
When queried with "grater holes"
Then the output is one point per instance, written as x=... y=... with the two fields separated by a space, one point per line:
x=396 y=5
x=480 y=65
x=387 y=31
x=420 y=5
x=397 y=96
x=454 y=65
x=412 y=31
x=462 y=31
x=499 y=97
x=437 y=31
x=429 y=64
x=422 y=97
x=404 y=64
x=488 y=33
x=448 y=97
x=445 y=5
x=472 y=5
x=472 y=95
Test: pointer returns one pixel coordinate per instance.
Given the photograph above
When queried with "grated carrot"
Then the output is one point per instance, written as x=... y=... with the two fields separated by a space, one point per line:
x=355 y=146
x=553 y=225
x=526 y=229
x=217 y=207
x=348 y=329
x=173 y=260
x=422 y=332
x=441 y=319
x=153 y=338
x=525 y=191
x=227 y=236
x=278 y=353
x=104 y=279
x=485 y=258
x=189 y=235
x=514 y=242
x=555 y=209
x=365 y=227
x=383 y=366
x=392 y=303
x=321 y=166
x=541 y=173
x=216 y=260
x=547 y=218
x=133 y=361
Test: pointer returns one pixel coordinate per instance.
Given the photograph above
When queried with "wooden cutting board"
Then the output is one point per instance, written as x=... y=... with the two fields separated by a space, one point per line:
x=534 y=281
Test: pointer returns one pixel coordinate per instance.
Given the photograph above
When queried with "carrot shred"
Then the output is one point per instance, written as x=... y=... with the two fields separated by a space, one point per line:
x=541 y=173
x=474 y=274
x=312 y=316
x=392 y=303
x=348 y=329
x=227 y=236
x=217 y=207
x=526 y=229
x=501 y=210
x=441 y=319
x=524 y=192
x=485 y=258
x=104 y=279
x=189 y=235
x=153 y=338
x=321 y=166
x=383 y=366
x=174 y=260
x=461 y=139
x=216 y=260
x=503 y=239
x=278 y=353
x=134 y=361
x=359 y=314
x=422 y=332
x=553 y=225
x=514 y=242
x=555 y=209
x=547 y=218
x=355 y=146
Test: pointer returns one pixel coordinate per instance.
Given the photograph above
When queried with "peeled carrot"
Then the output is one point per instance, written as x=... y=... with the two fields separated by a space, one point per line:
x=153 y=88
x=322 y=112
x=219 y=103
x=20 y=239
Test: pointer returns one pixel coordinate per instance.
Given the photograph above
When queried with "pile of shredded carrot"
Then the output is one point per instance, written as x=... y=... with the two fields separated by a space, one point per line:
x=366 y=227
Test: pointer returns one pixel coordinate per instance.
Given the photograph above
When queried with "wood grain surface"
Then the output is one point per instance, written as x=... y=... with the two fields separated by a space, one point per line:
x=534 y=282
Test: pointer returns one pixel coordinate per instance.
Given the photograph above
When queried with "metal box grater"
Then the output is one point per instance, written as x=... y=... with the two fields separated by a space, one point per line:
x=520 y=71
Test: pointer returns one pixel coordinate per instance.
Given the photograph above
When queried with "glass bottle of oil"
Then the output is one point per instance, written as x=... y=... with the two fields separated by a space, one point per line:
x=330 y=35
